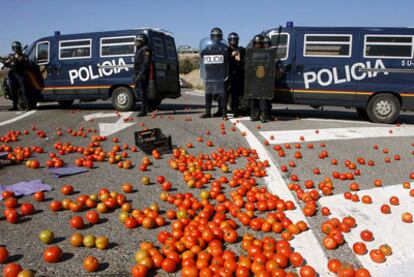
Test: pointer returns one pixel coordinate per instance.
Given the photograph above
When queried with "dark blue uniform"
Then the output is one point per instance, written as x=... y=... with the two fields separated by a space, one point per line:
x=142 y=68
x=18 y=64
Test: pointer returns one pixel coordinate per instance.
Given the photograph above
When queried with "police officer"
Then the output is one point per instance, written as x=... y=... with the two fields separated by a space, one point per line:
x=18 y=62
x=235 y=82
x=142 y=62
x=216 y=35
x=266 y=102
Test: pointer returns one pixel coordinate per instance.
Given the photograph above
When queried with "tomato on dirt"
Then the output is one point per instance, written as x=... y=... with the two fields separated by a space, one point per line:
x=386 y=249
x=39 y=196
x=76 y=239
x=55 y=206
x=346 y=270
x=90 y=264
x=92 y=217
x=27 y=209
x=362 y=272
x=139 y=270
x=66 y=189
x=168 y=265
x=334 y=265
x=296 y=259
x=77 y=222
x=11 y=270
x=52 y=254
x=330 y=243
x=4 y=254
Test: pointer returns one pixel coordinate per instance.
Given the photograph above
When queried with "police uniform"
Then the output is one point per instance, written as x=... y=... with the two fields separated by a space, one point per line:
x=214 y=72
x=236 y=73
x=142 y=63
x=18 y=62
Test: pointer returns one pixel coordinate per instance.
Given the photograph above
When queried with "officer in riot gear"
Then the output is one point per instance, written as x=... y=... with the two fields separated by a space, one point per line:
x=235 y=81
x=267 y=104
x=142 y=63
x=259 y=78
x=214 y=71
x=18 y=63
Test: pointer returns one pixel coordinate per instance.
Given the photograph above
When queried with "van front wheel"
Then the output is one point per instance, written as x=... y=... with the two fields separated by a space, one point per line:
x=122 y=99
x=383 y=108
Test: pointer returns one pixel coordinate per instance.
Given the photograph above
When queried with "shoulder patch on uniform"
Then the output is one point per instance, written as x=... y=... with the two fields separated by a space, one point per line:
x=147 y=52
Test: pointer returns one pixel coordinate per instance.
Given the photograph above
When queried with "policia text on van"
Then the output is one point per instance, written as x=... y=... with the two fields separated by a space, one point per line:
x=371 y=69
x=92 y=66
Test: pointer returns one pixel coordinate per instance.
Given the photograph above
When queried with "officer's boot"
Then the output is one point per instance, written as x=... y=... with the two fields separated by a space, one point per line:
x=254 y=110
x=207 y=114
x=144 y=104
x=14 y=108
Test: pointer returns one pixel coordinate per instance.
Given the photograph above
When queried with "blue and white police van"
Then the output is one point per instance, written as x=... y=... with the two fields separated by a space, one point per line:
x=370 y=69
x=92 y=66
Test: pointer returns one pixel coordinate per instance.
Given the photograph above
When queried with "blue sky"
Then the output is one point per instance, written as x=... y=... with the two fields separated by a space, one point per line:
x=191 y=20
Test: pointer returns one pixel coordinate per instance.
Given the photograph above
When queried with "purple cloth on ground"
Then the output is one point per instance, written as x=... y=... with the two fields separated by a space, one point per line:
x=26 y=188
x=3 y=155
x=66 y=171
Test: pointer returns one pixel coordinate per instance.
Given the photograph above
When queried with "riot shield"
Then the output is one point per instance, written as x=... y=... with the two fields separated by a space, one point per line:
x=214 y=63
x=259 y=77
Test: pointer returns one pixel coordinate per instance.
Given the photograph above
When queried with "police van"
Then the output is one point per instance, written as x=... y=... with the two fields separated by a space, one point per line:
x=92 y=66
x=370 y=69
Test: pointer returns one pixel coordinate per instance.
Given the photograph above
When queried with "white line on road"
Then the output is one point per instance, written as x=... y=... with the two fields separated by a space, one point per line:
x=306 y=242
x=26 y=114
x=195 y=93
x=345 y=121
x=292 y=136
x=387 y=228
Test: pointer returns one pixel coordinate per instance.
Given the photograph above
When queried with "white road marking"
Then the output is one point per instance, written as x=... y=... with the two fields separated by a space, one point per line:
x=107 y=129
x=105 y=115
x=345 y=121
x=26 y=114
x=195 y=93
x=292 y=136
x=387 y=229
x=306 y=242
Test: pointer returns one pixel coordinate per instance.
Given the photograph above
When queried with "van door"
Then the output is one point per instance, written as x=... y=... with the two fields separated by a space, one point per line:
x=322 y=68
x=42 y=56
x=284 y=68
x=75 y=71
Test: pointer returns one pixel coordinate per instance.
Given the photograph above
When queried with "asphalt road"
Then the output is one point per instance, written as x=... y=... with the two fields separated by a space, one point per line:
x=180 y=119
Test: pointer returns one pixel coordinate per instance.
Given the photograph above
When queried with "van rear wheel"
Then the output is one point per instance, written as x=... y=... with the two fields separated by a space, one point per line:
x=123 y=99
x=383 y=108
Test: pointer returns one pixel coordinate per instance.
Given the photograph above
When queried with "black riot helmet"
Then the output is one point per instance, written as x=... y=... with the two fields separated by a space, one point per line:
x=233 y=39
x=16 y=47
x=258 y=41
x=216 y=34
x=267 y=42
x=141 y=40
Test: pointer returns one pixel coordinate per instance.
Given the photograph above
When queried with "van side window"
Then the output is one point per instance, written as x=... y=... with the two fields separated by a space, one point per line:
x=75 y=49
x=170 y=50
x=42 y=52
x=388 y=46
x=282 y=45
x=158 y=47
x=117 y=46
x=331 y=45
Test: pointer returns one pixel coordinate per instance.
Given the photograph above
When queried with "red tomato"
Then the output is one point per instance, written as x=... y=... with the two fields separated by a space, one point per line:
x=307 y=271
x=39 y=196
x=55 y=206
x=90 y=264
x=131 y=223
x=77 y=222
x=367 y=235
x=52 y=254
x=160 y=179
x=66 y=189
x=92 y=217
x=377 y=256
x=168 y=265
x=334 y=265
x=4 y=254
x=27 y=209
x=11 y=270
x=359 y=248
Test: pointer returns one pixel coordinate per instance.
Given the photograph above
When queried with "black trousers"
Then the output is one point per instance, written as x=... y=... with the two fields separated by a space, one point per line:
x=141 y=89
x=19 y=90
x=261 y=107
x=234 y=90
x=221 y=102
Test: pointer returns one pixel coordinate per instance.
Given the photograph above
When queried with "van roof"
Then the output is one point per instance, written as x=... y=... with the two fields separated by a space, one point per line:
x=333 y=29
x=111 y=33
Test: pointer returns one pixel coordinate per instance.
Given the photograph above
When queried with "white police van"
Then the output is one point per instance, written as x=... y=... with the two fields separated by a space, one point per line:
x=92 y=66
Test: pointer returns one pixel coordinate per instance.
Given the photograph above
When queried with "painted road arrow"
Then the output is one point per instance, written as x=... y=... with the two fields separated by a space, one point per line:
x=107 y=129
